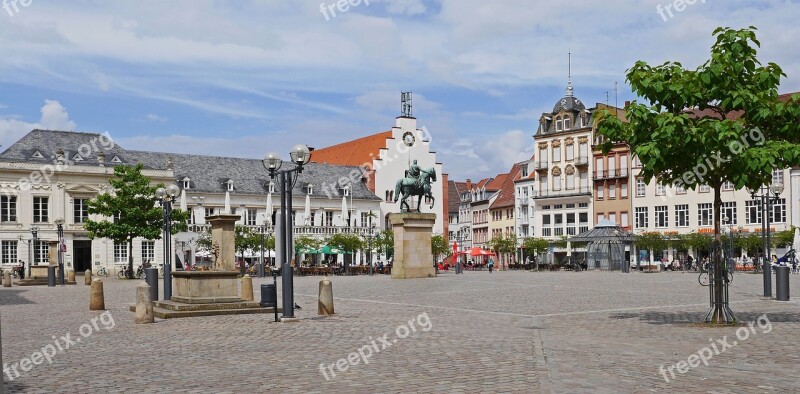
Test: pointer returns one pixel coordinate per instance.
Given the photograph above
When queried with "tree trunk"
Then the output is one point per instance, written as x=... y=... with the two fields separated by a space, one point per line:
x=130 y=258
x=719 y=312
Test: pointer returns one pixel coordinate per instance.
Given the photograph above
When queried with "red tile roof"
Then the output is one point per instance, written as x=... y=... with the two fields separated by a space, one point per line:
x=506 y=197
x=353 y=153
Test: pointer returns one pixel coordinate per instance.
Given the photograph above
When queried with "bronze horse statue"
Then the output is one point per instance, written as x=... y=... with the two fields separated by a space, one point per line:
x=410 y=187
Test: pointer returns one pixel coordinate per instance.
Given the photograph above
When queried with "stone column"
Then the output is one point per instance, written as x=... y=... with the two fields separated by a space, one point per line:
x=223 y=239
x=412 y=245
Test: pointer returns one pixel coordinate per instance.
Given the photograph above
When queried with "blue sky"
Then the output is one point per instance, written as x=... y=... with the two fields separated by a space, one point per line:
x=240 y=78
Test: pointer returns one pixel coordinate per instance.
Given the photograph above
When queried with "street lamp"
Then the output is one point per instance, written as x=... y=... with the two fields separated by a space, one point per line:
x=60 y=228
x=261 y=229
x=31 y=252
x=765 y=201
x=166 y=197
x=299 y=155
x=369 y=247
x=729 y=222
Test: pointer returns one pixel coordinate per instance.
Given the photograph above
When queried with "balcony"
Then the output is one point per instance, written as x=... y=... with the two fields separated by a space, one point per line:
x=611 y=174
x=540 y=165
x=581 y=161
x=581 y=191
x=523 y=201
x=314 y=231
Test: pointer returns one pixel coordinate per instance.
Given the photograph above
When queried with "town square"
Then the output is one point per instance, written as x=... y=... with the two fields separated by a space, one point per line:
x=399 y=196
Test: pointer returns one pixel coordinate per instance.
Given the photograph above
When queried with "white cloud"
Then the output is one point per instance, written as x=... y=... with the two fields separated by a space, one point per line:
x=481 y=156
x=155 y=118
x=54 y=117
x=405 y=7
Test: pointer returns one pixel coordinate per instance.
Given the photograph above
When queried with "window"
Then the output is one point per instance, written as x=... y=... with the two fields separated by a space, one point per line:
x=600 y=189
x=641 y=217
x=570 y=151
x=328 y=219
x=567 y=121
x=556 y=154
x=584 y=181
x=543 y=185
x=230 y=185
x=41 y=207
x=623 y=190
x=728 y=210
x=598 y=166
x=777 y=177
x=640 y=187
x=680 y=189
x=558 y=124
x=570 y=181
x=682 y=215
x=8 y=209
x=752 y=212
x=612 y=191
x=8 y=250
x=186 y=183
x=661 y=190
x=779 y=211
x=662 y=216
x=366 y=221
x=583 y=222
x=600 y=217
x=557 y=182
x=120 y=252
x=623 y=218
x=546 y=230
x=271 y=187
x=558 y=206
x=545 y=207
x=80 y=210
x=613 y=218
x=705 y=214
x=636 y=162
x=558 y=224
x=571 y=224
x=727 y=186
x=705 y=189
x=570 y=206
x=583 y=205
x=623 y=165
x=148 y=250
x=209 y=212
x=612 y=165
x=250 y=216
x=41 y=253
x=584 y=150
x=525 y=171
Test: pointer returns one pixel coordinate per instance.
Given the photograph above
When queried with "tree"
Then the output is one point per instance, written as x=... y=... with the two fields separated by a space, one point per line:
x=440 y=247
x=535 y=246
x=245 y=239
x=698 y=120
x=132 y=207
x=347 y=243
x=385 y=243
x=783 y=238
x=503 y=245
x=650 y=241
x=304 y=243
x=699 y=243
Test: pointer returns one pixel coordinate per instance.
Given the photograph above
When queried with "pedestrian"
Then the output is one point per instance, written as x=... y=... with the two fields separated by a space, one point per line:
x=491 y=264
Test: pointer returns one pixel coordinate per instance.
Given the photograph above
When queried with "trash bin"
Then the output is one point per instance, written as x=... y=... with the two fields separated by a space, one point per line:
x=151 y=277
x=782 y=283
x=269 y=296
x=51 y=276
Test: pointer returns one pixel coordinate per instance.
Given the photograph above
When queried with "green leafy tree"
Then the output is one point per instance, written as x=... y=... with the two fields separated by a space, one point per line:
x=440 y=247
x=720 y=122
x=245 y=239
x=503 y=245
x=699 y=243
x=783 y=238
x=535 y=246
x=385 y=243
x=304 y=243
x=132 y=211
x=650 y=241
x=347 y=243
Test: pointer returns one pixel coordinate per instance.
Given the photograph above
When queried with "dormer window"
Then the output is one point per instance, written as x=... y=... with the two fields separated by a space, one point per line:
x=271 y=187
x=309 y=189
x=37 y=155
x=186 y=183
x=229 y=183
x=344 y=191
x=566 y=123
x=116 y=159
x=558 y=124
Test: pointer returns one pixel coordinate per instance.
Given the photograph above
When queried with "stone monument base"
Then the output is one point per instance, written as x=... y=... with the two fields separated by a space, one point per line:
x=412 y=245
x=206 y=287
x=174 y=310
x=39 y=276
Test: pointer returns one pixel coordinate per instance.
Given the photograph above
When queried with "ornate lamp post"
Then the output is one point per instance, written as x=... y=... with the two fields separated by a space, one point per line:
x=299 y=155
x=765 y=200
x=261 y=229
x=369 y=247
x=31 y=252
x=60 y=228
x=166 y=197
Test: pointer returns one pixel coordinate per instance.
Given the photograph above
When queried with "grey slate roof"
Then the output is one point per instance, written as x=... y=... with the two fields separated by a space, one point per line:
x=206 y=173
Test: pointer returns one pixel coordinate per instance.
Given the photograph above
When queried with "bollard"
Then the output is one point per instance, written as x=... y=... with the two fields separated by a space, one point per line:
x=51 y=276
x=96 y=300
x=782 y=283
x=144 y=304
x=247 y=288
x=71 y=276
x=6 y=278
x=87 y=277
x=151 y=277
x=325 y=297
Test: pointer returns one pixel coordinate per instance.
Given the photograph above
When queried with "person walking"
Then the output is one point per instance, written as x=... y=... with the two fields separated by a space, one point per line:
x=491 y=264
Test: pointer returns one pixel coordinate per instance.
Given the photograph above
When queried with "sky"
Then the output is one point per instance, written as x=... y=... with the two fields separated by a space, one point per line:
x=243 y=78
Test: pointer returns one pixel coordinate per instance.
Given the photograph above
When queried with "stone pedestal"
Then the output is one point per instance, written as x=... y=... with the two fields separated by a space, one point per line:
x=412 y=245
x=39 y=276
x=223 y=241
x=206 y=287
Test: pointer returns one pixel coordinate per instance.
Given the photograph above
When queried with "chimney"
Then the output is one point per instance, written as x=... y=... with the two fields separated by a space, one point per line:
x=627 y=103
x=469 y=184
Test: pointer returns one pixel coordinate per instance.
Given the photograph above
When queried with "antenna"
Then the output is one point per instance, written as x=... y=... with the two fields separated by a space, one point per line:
x=616 y=95
x=606 y=98
x=570 y=90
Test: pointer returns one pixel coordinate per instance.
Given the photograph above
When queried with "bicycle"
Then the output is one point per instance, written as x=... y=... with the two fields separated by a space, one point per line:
x=102 y=271
x=707 y=276
x=123 y=274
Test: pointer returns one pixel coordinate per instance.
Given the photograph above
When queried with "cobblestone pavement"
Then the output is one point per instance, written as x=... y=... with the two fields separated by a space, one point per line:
x=500 y=332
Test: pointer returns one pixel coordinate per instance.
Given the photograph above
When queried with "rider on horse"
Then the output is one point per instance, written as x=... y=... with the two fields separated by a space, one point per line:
x=414 y=172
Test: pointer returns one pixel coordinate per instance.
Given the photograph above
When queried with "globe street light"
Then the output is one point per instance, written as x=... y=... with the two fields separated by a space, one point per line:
x=166 y=197
x=299 y=155
x=765 y=201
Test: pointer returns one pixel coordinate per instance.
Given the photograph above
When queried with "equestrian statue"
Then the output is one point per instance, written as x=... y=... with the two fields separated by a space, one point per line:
x=417 y=182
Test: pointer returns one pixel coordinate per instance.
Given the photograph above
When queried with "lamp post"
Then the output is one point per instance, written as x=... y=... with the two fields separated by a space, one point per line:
x=261 y=263
x=765 y=200
x=60 y=228
x=299 y=155
x=31 y=252
x=166 y=197
x=727 y=220
x=369 y=247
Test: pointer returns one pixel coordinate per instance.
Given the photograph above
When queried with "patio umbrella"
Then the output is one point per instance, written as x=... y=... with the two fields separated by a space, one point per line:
x=796 y=243
x=184 y=208
x=476 y=251
x=329 y=250
x=308 y=210
x=269 y=209
x=227 y=202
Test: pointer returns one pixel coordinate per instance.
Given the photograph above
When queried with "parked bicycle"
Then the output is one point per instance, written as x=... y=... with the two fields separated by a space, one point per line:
x=707 y=275
x=122 y=274
x=102 y=271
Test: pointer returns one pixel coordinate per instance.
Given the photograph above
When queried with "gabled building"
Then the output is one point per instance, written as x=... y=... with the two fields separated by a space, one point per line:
x=483 y=194
x=612 y=178
x=502 y=212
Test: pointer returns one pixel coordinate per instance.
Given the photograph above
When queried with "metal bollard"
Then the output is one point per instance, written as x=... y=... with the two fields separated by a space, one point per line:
x=151 y=278
x=782 y=283
x=51 y=276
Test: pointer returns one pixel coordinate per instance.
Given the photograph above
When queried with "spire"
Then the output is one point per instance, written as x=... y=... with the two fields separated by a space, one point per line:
x=570 y=90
